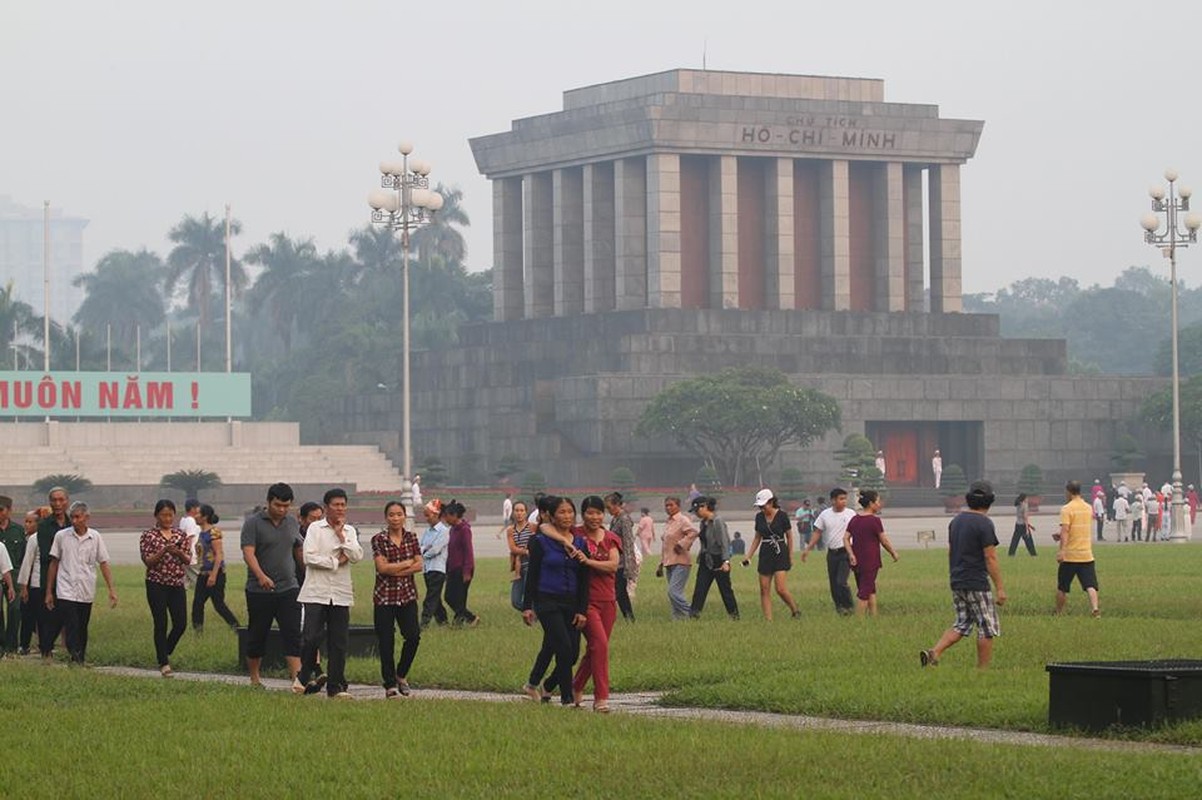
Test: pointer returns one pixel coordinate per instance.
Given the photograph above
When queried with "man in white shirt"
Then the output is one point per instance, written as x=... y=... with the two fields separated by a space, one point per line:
x=1099 y=514
x=1122 y=514
x=832 y=525
x=191 y=529
x=71 y=583
x=506 y=513
x=331 y=547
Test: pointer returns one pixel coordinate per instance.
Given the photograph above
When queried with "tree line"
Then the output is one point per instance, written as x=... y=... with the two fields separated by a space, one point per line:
x=311 y=327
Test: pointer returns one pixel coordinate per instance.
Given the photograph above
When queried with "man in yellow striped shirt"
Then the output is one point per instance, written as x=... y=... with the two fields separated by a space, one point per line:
x=1076 y=550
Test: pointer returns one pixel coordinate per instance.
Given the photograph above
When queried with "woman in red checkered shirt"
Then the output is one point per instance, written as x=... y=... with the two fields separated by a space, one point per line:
x=398 y=558
x=165 y=552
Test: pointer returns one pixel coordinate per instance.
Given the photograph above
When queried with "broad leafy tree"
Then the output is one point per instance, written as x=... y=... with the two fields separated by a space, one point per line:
x=737 y=420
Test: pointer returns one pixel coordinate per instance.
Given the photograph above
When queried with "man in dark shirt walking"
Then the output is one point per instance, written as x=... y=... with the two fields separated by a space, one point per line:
x=972 y=545
x=271 y=546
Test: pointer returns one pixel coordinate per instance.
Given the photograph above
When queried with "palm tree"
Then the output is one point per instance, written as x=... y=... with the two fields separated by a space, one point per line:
x=18 y=325
x=124 y=292
x=377 y=252
x=283 y=284
x=198 y=261
x=438 y=238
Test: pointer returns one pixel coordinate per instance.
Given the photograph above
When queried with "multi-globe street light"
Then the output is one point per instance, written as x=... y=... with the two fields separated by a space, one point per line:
x=1178 y=232
x=403 y=203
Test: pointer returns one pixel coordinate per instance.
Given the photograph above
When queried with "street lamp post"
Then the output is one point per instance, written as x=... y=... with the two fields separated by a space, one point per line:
x=403 y=203
x=1178 y=232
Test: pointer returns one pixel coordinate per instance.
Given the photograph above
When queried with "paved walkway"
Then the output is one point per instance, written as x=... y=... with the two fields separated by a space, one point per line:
x=647 y=704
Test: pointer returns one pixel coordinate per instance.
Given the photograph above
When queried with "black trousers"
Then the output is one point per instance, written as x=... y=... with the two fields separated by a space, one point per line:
x=50 y=624
x=457 y=589
x=1021 y=534
x=560 y=639
x=1100 y=522
x=332 y=624
x=432 y=607
x=29 y=616
x=164 y=600
x=838 y=569
x=387 y=619
x=624 y=604
x=701 y=589
x=74 y=620
x=215 y=593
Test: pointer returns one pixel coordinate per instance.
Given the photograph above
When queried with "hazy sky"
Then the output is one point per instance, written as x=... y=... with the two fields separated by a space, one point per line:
x=134 y=113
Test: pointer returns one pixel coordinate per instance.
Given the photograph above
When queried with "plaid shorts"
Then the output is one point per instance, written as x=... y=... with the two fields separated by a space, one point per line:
x=975 y=608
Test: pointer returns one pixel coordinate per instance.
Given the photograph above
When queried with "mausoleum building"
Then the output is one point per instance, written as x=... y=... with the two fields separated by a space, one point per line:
x=672 y=224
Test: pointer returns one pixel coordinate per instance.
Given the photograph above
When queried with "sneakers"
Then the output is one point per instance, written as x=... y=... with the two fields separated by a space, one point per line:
x=343 y=695
x=391 y=693
x=297 y=686
x=166 y=672
x=927 y=658
x=402 y=686
x=320 y=680
x=313 y=687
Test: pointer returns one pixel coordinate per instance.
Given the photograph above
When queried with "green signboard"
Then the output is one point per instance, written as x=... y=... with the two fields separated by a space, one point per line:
x=121 y=394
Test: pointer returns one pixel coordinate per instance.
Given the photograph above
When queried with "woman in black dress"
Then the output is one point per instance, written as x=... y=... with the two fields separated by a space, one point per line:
x=774 y=540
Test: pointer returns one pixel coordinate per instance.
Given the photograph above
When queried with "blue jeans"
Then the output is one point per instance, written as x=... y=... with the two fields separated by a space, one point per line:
x=678 y=578
x=517 y=588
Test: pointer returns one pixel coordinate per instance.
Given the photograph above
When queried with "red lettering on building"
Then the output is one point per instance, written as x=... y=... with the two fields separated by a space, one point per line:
x=160 y=394
x=133 y=394
x=23 y=394
x=108 y=394
x=72 y=394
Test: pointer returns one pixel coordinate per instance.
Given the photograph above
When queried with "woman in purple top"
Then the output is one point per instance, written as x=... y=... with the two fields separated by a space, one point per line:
x=866 y=537
x=556 y=592
x=461 y=563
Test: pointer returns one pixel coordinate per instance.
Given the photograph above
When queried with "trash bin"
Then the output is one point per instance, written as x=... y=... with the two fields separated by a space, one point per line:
x=1096 y=695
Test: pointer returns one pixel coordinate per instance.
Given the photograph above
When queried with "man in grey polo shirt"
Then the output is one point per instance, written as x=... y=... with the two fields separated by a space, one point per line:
x=271 y=546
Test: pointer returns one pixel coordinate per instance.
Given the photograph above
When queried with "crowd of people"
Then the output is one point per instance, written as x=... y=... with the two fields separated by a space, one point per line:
x=572 y=571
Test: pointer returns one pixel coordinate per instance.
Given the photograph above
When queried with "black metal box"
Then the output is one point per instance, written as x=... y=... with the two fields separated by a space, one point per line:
x=1098 y=694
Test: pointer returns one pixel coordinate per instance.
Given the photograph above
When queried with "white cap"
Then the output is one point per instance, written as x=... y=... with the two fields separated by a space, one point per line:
x=762 y=497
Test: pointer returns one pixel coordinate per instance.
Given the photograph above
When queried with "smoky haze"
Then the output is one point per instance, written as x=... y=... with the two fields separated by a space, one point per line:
x=133 y=114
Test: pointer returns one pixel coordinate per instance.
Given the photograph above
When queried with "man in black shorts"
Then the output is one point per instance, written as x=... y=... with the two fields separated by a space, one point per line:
x=973 y=544
x=271 y=547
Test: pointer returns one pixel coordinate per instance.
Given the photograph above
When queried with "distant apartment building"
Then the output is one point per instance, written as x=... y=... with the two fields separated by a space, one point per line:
x=22 y=256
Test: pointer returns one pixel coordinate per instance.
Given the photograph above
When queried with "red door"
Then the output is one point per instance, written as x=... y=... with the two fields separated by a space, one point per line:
x=901 y=457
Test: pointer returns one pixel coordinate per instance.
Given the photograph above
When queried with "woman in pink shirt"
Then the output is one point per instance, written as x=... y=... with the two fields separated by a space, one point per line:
x=601 y=554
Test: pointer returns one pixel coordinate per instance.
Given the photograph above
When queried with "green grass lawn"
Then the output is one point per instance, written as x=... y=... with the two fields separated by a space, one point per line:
x=821 y=664
x=83 y=734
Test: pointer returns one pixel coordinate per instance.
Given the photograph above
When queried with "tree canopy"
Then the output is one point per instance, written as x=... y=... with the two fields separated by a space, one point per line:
x=737 y=420
x=1121 y=328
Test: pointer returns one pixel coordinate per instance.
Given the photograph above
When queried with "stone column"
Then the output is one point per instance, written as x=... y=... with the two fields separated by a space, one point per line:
x=598 y=188
x=888 y=210
x=834 y=235
x=507 y=249
x=630 y=233
x=724 y=232
x=663 y=230
x=567 y=192
x=915 y=249
x=778 y=210
x=944 y=194
x=538 y=240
